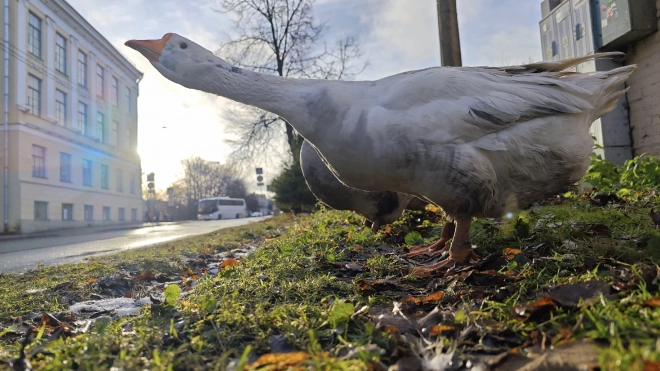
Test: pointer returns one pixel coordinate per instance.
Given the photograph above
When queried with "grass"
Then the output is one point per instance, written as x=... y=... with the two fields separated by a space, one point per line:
x=323 y=288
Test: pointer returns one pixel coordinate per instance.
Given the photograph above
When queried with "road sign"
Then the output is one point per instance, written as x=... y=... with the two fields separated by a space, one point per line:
x=260 y=170
x=269 y=188
x=150 y=185
x=259 y=184
x=150 y=177
x=260 y=178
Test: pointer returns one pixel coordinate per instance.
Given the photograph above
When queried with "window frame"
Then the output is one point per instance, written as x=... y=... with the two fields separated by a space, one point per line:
x=39 y=171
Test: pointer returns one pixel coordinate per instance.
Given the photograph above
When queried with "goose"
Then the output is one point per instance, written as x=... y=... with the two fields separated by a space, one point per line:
x=476 y=141
x=378 y=208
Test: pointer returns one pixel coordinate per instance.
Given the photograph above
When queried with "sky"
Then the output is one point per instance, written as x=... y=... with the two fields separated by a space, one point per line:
x=175 y=123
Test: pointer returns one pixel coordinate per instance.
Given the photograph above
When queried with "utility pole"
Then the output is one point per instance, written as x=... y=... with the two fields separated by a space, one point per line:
x=450 y=44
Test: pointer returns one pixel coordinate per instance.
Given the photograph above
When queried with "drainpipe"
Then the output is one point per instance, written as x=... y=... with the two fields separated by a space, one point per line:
x=5 y=203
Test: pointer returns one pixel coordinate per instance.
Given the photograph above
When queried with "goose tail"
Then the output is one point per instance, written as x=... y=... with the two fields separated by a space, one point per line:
x=607 y=88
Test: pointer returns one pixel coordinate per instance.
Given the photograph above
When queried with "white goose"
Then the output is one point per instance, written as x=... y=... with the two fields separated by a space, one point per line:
x=378 y=208
x=474 y=141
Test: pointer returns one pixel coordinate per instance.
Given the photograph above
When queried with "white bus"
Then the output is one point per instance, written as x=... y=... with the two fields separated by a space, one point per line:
x=221 y=208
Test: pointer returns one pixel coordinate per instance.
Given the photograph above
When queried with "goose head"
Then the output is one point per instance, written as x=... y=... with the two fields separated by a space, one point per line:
x=179 y=59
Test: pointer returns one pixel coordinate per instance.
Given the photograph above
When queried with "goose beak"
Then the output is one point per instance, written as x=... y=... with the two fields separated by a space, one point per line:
x=151 y=49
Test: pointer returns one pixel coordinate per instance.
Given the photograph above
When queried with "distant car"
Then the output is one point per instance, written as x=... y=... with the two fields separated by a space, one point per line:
x=257 y=213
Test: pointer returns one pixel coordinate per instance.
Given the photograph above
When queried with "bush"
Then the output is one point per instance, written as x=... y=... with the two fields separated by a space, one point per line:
x=640 y=174
x=291 y=191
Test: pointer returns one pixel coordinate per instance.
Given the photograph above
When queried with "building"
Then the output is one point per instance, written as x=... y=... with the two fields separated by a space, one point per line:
x=574 y=28
x=68 y=142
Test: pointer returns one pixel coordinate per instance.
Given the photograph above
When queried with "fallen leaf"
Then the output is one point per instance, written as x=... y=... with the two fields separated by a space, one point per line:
x=171 y=248
x=570 y=295
x=655 y=217
x=510 y=253
x=436 y=296
x=278 y=361
x=229 y=263
x=600 y=230
x=439 y=329
x=411 y=299
x=653 y=302
x=147 y=275
x=91 y=281
x=526 y=311
x=432 y=209
x=651 y=366
x=390 y=329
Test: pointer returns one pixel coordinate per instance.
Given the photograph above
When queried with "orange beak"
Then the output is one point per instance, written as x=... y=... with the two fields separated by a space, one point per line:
x=151 y=49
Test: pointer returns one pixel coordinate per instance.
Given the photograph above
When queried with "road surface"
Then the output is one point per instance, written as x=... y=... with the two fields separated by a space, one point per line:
x=24 y=254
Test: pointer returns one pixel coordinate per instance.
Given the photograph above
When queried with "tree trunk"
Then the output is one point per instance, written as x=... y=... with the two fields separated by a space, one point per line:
x=295 y=142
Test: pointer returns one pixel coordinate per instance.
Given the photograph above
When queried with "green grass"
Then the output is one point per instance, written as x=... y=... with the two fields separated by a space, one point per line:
x=321 y=281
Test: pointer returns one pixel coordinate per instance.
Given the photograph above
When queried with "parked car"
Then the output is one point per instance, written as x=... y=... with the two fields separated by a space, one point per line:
x=257 y=213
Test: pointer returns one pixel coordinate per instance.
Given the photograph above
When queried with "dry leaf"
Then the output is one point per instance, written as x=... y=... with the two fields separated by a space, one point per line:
x=510 y=253
x=436 y=296
x=651 y=366
x=439 y=329
x=390 y=329
x=278 y=361
x=171 y=248
x=148 y=275
x=411 y=299
x=229 y=263
x=653 y=302
x=432 y=209
x=91 y=281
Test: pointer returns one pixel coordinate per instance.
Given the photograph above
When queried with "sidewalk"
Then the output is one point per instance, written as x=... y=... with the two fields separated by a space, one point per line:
x=84 y=230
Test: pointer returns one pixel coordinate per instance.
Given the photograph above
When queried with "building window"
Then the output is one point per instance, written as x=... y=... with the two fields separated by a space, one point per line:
x=82 y=118
x=106 y=213
x=132 y=184
x=114 y=135
x=40 y=210
x=114 y=94
x=104 y=176
x=34 y=35
x=128 y=100
x=67 y=211
x=60 y=107
x=100 y=126
x=121 y=214
x=65 y=167
x=134 y=215
x=60 y=53
x=87 y=173
x=100 y=81
x=38 y=161
x=120 y=181
x=82 y=68
x=89 y=212
x=34 y=95
x=127 y=140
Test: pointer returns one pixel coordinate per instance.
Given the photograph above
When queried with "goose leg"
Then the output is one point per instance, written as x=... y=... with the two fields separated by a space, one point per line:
x=460 y=252
x=375 y=226
x=436 y=248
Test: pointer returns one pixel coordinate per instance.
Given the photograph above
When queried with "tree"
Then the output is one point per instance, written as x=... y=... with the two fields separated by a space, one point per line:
x=291 y=191
x=279 y=37
x=252 y=202
x=202 y=179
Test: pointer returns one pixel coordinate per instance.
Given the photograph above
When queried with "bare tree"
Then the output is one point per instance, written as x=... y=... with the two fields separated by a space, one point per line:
x=204 y=179
x=280 y=37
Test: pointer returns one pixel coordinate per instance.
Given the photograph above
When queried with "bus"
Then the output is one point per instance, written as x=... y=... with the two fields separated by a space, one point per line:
x=221 y=208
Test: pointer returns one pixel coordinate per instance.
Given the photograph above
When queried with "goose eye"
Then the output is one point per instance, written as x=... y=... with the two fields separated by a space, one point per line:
x=183 y=45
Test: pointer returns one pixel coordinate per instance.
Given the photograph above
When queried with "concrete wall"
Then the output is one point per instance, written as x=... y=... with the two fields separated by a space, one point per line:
x=644 y=93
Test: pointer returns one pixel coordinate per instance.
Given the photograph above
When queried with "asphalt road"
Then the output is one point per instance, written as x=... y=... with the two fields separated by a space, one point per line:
x=25 y=254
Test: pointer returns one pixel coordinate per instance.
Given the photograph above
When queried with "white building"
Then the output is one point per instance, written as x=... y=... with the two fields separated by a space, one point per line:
x=68 y=138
